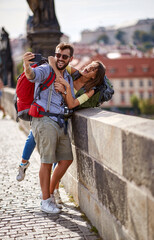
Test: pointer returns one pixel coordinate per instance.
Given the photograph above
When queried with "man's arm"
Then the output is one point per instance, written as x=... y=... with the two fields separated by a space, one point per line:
x=27 y=68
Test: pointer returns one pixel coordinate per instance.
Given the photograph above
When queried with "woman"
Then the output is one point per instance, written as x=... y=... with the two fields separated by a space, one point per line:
x=91 y=76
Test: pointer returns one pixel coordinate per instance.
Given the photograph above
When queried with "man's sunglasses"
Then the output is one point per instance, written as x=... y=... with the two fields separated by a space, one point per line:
x=64 y=56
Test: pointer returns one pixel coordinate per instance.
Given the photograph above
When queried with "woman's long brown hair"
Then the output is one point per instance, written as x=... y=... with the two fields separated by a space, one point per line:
x=99 y=79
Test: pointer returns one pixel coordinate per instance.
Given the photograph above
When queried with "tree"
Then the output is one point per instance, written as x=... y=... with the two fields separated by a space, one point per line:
x=146 y=106
x=120 y=36
x=135 y=103
x=104 y=38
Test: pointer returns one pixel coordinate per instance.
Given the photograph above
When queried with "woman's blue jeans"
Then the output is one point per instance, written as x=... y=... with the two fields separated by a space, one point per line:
x=29 y=146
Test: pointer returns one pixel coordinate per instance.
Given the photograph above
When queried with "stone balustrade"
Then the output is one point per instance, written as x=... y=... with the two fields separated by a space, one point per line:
x=112 y=175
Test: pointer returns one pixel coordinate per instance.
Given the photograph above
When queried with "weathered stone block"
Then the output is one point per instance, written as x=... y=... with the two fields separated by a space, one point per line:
x=138 y=159
x=73 y=169
x=100 y=217
x=102 y=139
x=71 y=186
x=150 y=219
x=86 y=171
x=137 y=213
x=80 y=138
x=90 y=207
x=112 y=192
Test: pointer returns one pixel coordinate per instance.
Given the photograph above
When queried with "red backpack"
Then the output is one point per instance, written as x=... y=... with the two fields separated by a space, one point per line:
x=24 y=98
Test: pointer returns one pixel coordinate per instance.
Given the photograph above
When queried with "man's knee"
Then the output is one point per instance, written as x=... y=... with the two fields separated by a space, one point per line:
x=46 y=166
x=65 y=162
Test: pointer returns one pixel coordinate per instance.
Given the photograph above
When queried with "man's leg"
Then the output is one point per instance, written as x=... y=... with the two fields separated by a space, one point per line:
x=45 y=174
x=58 y=173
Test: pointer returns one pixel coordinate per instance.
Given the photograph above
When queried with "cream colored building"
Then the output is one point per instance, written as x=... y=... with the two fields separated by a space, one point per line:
x=89 y=36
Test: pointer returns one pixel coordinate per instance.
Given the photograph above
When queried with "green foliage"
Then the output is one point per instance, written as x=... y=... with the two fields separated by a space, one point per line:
x=120 y=36
x=134 y=101
x=144 y=40
x=19 y=68
x=94 y=229
x=147 y=106
x=104 y=38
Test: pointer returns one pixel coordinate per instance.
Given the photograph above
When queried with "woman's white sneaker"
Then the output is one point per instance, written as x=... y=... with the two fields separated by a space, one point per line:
x=53 y=200
x=49 y=207
x=22 y=171
x=52 y=196
x=57 y=196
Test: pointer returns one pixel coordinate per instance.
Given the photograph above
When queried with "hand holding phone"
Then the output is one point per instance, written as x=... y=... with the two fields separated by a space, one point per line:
x=37 y=58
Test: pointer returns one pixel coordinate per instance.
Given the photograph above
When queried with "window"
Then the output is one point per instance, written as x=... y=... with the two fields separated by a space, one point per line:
x=149 y=83
x=112 y=70
x=122 y=97
x=122 y=84
x=150 y=95
x=141 y=83
x=130 y=69
x=131 y=83
x=145 y=68
x=141 y=95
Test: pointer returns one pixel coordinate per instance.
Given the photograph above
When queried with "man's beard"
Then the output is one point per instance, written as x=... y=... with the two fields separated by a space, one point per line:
x=63 y=67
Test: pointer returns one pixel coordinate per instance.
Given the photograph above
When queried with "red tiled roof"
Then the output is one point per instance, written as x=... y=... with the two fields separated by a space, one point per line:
x=127 y=67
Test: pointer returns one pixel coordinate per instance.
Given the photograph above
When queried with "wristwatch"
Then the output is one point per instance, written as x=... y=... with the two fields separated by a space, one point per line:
x=65 y=92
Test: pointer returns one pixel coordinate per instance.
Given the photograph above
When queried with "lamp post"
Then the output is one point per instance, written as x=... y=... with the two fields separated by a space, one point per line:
x=3 y=54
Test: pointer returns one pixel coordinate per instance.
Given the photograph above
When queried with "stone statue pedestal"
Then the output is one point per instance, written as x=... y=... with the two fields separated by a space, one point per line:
x=43 y=30
x=44 y=41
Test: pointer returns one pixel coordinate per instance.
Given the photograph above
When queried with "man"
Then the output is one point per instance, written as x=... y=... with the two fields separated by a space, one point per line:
x=52 y=143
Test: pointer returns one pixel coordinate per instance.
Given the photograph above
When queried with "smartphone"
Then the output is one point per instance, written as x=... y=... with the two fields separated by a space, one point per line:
x=37 y=58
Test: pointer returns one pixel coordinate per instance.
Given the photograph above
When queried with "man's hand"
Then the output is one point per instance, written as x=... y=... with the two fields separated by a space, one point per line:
x=27 y=68
x=26 y=59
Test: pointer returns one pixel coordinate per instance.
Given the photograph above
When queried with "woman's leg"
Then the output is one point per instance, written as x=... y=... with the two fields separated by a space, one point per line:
x=27 y=151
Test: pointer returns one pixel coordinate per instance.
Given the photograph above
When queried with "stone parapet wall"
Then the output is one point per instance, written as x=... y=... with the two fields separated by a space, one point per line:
x=112 y=175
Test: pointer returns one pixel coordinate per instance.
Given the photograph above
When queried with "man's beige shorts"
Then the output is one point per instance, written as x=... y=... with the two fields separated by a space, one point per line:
x=52 y=144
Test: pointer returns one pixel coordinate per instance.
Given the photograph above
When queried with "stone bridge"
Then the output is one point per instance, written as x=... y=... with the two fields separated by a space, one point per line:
x=112 y=176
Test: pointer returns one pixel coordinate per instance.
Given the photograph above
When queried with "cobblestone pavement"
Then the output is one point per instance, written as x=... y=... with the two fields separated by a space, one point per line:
x=20 y=214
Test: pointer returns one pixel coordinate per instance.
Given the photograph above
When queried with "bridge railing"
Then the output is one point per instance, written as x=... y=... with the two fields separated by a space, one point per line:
x=112 y=175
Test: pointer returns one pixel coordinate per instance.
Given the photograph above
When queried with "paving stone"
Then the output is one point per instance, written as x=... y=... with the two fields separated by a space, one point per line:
x=20 y=214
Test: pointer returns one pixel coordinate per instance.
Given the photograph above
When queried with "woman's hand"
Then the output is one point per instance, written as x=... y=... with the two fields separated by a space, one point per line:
x=51 y=60
x=63 y=81
x=52 y=63
x=59 y=87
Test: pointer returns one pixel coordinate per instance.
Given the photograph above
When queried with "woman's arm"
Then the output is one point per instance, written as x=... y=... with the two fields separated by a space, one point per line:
x=71 y=102
x=52 y=63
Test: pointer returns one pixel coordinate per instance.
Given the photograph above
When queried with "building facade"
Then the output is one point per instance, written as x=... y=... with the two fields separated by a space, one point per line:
x=130 y=76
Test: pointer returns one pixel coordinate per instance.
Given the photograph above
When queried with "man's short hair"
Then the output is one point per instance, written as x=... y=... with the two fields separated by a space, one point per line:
x=62 y=46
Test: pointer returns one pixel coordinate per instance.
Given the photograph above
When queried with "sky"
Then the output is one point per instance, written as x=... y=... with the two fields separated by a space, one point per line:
x=74 y=16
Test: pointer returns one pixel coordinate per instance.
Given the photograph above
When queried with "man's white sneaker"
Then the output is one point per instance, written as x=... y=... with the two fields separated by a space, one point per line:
x=49 y=207
x=22 y=170
x=57 y=196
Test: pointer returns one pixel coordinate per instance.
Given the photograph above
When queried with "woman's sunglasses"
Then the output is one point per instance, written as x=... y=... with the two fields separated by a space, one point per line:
x=64 y=56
